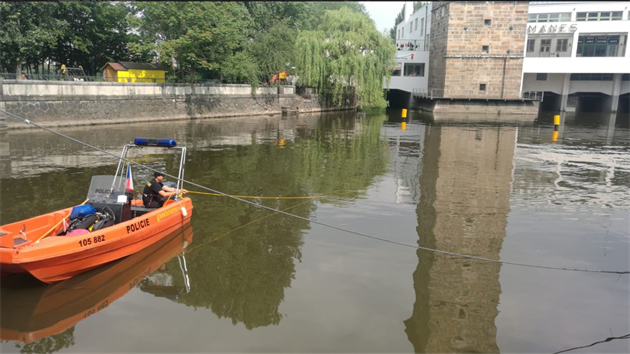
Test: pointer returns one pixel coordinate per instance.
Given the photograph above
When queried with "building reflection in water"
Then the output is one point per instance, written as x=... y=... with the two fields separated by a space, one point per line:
x=465 y=189
x=5 y=155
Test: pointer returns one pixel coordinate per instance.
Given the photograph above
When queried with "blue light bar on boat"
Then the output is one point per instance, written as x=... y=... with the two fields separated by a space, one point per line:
x=155 y=142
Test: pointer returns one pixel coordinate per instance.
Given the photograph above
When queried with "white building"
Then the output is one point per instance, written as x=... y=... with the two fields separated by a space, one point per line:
x=412 y=40
x=577 y=51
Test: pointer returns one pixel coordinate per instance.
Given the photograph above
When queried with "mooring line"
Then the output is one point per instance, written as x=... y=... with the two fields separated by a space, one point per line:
x=260 y=197
x=29 y=122
x=242 y=226
x=609 y=339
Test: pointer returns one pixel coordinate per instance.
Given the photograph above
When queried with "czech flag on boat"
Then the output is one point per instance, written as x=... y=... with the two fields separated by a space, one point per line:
x=129 y=184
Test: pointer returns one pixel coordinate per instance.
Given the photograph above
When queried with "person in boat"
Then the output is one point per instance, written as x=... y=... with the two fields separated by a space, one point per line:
x=155 y=193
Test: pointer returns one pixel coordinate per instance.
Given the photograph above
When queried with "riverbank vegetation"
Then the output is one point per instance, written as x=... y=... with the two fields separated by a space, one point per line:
x=328 y=45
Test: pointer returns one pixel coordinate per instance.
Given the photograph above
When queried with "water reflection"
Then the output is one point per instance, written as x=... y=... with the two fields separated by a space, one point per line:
x=590 y=165
x=406 y=150
x=451 y=183
x=42 y=317
x=243 y=277
x=465 y=192
x=5 y=155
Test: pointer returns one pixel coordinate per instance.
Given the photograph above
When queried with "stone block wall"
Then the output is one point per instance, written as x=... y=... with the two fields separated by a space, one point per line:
x=438 y=46
x=500 y=77
x=55 y=104
x=478 y=48
x=69 y=112
x=495 y=107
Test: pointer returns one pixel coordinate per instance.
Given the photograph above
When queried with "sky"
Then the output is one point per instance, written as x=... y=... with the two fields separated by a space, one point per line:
x=383 y=12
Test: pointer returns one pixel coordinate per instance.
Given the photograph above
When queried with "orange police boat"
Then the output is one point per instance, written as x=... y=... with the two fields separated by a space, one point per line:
x=44 y=247
x=32 y=311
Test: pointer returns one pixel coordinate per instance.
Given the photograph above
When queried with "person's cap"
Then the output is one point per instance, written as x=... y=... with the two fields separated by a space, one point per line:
x=158 y=174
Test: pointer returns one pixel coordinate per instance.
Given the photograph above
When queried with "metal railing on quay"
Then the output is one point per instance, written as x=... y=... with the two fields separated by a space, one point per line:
x=100 y=78
x=78 y=78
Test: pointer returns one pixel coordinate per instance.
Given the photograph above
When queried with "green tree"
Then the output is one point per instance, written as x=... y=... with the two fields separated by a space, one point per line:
x=346 y=50
x=239 y=68
x=274 y=48
x=97 y=33
x=193 y=36
x=265 y=15
x=28 y=30
x=317 y=10
x=274 y=29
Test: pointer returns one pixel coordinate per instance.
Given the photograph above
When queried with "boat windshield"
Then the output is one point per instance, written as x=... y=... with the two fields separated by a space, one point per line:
x=106 y=187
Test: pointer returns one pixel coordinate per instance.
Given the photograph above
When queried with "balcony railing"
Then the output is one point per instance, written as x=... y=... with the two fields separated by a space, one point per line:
x=533 y=95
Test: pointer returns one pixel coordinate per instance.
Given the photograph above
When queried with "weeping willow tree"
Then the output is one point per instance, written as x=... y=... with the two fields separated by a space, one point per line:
x=346 y=51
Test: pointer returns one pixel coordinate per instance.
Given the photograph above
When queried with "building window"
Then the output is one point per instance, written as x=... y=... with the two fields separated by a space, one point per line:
x=531 y=45
x=485 y=49
x=414 y=70
x=545 y=45
x=541 y=77
x=561 y=45
x=421 y=27
x=625 y=77
x=592 y=77
x=598 y=46
x=599 y=16
x=397 y=71
x=416 y=24
x=482 y=87
x=555 y=17
x=487 y=22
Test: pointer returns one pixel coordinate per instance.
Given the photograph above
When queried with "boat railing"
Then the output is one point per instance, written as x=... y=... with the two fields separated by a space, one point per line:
x=153 y=143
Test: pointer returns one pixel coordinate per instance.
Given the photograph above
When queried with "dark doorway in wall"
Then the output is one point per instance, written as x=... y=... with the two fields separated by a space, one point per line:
x=398 y=98
x=550 y=103
x=593 y=102
x=624 y=103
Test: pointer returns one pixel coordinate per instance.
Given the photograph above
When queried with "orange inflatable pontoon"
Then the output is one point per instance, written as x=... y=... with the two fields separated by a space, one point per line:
x=40 y=246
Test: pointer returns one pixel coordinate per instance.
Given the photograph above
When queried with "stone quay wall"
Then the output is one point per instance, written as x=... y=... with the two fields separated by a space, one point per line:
x=500 y=110
x=59 y=103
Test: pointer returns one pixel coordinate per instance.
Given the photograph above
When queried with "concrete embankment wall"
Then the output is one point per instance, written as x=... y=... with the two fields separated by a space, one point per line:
x=476 y=107
x=59 y=103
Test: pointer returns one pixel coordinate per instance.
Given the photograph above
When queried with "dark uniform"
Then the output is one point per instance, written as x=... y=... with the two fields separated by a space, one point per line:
x=151 y=194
